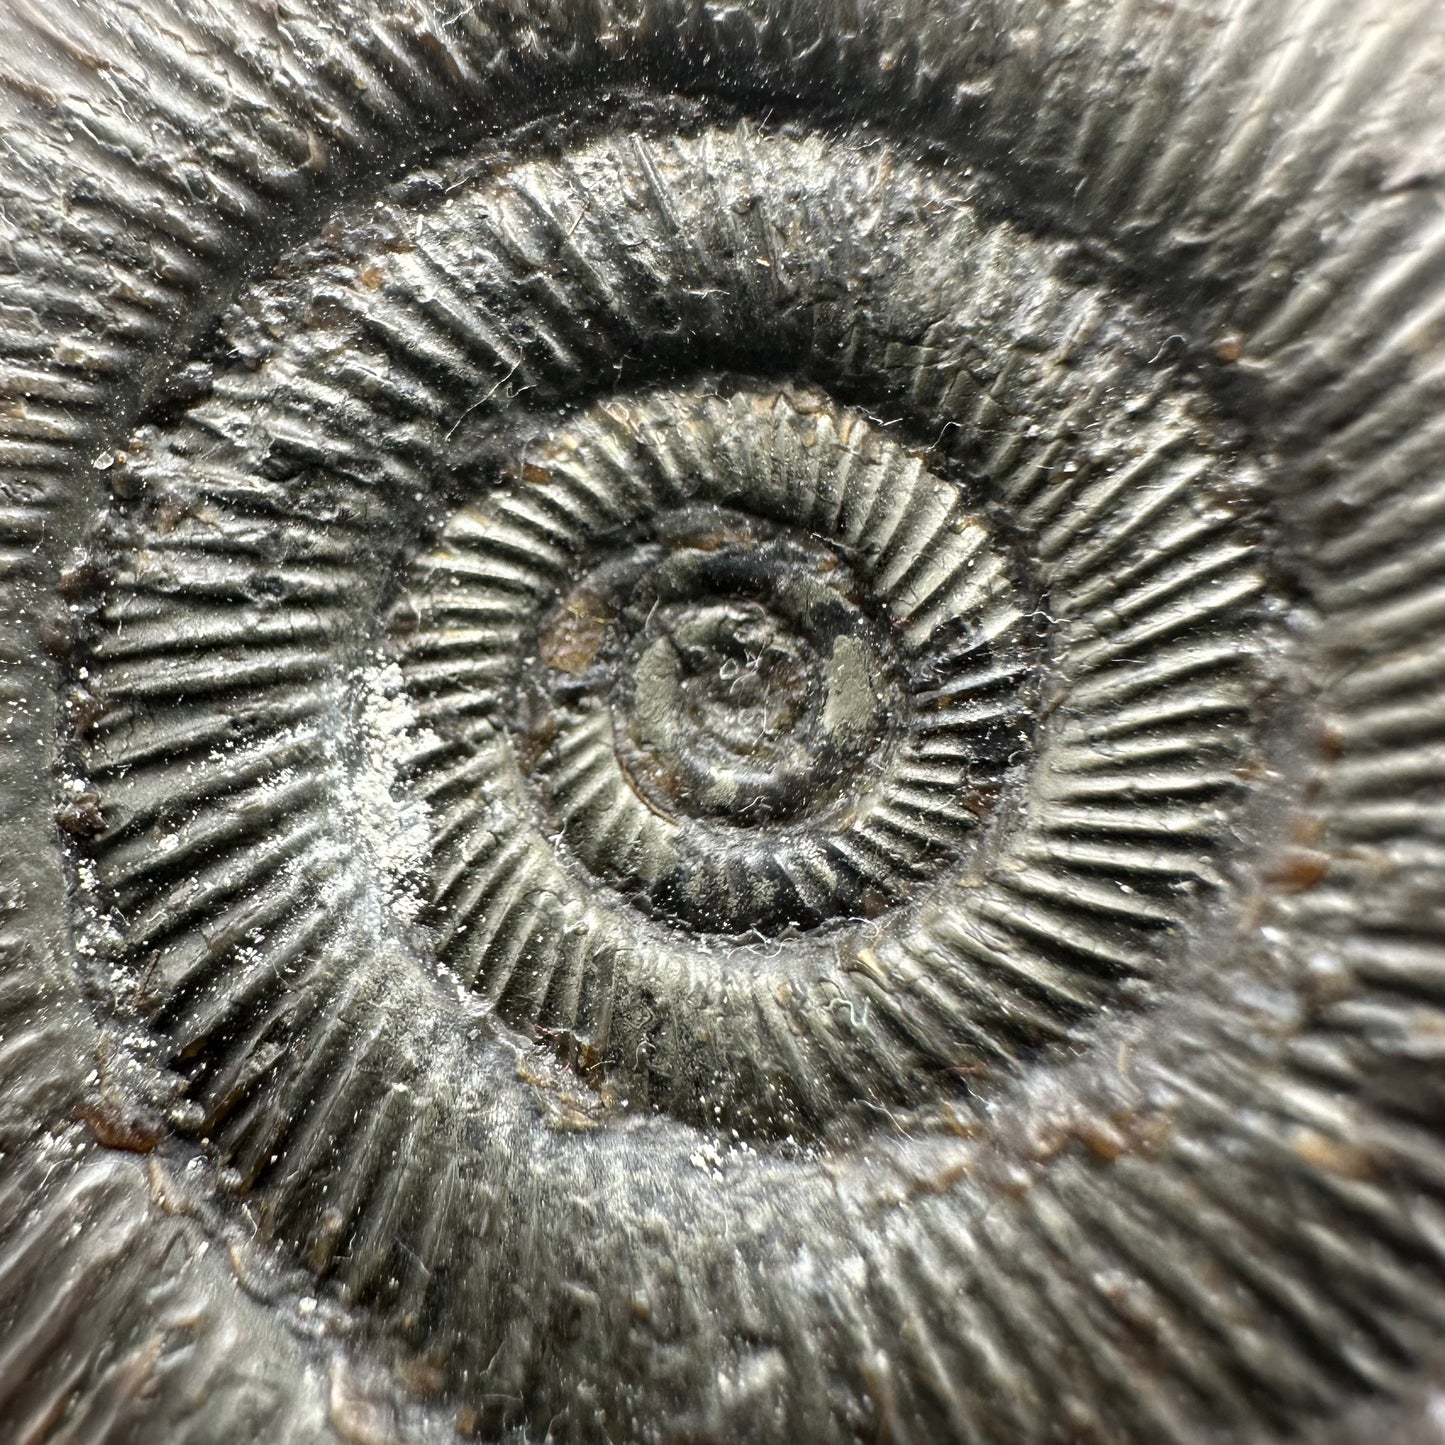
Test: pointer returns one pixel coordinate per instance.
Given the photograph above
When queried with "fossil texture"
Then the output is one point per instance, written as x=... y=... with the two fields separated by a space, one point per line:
x=721 y=722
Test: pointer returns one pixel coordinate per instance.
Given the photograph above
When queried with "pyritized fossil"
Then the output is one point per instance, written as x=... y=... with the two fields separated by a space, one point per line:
x=722 y=721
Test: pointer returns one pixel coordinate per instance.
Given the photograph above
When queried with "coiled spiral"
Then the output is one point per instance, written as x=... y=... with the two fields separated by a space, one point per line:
x=745 y=743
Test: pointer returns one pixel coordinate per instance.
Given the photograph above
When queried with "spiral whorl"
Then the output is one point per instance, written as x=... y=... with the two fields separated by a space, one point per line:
x=739 y=612
x=743 y=748
x=728 y=657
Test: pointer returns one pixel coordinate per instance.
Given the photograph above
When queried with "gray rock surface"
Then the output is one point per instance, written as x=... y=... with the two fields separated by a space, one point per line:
x=721 y=721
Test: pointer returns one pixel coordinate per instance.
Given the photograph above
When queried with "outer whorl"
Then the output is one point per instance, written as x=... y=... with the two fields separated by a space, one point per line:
x=721 y=722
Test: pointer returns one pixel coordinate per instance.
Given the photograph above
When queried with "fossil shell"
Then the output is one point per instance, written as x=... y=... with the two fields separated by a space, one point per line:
x=722 y=721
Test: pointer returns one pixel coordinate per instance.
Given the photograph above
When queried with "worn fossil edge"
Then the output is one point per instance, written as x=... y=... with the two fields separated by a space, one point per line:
x=301 y=109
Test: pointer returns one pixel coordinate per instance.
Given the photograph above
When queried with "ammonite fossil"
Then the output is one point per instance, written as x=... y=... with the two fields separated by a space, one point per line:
x=722 y=721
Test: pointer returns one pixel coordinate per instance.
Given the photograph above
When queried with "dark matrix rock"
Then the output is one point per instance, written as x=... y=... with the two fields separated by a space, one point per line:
x=722 y=722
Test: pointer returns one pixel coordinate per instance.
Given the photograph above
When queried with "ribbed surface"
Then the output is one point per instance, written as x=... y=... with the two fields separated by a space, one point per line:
x=1115 y=1122
x=110 y=1244
x=508 y=797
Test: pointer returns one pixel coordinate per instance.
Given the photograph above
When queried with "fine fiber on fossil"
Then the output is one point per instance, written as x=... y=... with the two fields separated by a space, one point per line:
x=722 y=722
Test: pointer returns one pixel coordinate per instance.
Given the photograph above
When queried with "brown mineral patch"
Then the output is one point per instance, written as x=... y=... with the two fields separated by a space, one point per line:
x=573 y=636
x=942 y=1177
x=1300 y=869
x=325 y=1239
x=578 y=1055
x=1334 y=1156
x=82 y=580
x=865 y=961
x=1228 y=349
x=1106 y=1136
x=81 y=815
x=114 y=1126
x=56 y=637
x=169 y=512
x=1331 y=741
x=566 y=1110
x=358 y=1415
x=532 y=743
x=426 y=1375
x=969 y=1071
x=959 y=1122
